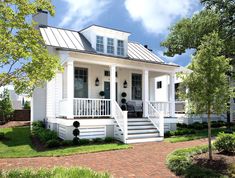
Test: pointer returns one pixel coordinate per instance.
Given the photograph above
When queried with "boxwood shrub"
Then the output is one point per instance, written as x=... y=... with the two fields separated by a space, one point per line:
x=54 y=143
x=225 y=143
x=179 y=131
x=180 y=162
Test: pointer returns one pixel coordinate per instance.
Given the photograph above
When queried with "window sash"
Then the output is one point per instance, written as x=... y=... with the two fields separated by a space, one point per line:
x=80 y=82
x=99 y=43
x=136 y=87
x=120 y=48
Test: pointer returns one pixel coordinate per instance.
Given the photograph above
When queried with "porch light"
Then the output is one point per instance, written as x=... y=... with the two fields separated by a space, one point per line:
x=125 y=84
x=97 y=82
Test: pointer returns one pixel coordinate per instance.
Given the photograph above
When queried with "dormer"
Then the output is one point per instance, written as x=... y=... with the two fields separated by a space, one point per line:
x=107 y=40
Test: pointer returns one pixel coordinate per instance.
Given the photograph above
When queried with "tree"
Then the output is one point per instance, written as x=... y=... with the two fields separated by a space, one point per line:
x=27 y=105
x=218 y=15
x=24 y=58
x=6 y=109
x=208 y=87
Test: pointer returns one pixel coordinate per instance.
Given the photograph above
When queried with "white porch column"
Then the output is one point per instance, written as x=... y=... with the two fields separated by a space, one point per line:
x=172 y=95
x=70 y=89
x=145 y=92
x=113 y=88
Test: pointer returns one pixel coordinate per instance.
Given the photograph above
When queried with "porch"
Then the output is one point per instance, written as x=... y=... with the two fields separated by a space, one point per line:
x=92 y=90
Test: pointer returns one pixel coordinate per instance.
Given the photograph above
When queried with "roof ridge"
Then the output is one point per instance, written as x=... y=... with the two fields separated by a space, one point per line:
x=43 y=26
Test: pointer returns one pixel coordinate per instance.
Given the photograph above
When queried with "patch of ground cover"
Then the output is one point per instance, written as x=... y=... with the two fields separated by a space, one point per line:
x=18 y=143
x=199 y=134
x=224 y=164
x=54 y=173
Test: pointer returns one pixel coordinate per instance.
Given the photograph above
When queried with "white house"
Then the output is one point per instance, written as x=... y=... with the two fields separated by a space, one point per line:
x=99 y=60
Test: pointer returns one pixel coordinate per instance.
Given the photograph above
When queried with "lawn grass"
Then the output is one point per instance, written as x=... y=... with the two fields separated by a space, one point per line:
x=18 y=144
x=198 y=135
x=54 y=173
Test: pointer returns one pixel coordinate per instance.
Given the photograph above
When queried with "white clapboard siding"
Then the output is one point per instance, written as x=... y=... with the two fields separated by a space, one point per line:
x=62 y=131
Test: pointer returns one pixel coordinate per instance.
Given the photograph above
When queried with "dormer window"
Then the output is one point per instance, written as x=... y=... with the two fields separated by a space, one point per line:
x=110 y=46
x=100 y=44
x=120 y=48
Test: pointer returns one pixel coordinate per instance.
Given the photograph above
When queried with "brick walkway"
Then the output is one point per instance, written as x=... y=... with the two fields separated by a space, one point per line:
x=144 y=160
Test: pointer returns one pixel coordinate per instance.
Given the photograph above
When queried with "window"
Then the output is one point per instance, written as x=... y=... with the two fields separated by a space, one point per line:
x=136 y=87
x=80 y=83
x=100 y=44
x=159 y=84
x=107 y=73
x=110 y=46
x=120 y=48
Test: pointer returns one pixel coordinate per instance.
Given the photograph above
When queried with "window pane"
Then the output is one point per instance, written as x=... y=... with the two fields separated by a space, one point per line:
x=159 y=84
x=120 y=48
x=99 y=44
x=81 y=83
x=136 y=86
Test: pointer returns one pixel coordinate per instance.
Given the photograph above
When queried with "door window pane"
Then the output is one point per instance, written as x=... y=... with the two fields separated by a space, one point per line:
x=136 y=87
x=81 y=83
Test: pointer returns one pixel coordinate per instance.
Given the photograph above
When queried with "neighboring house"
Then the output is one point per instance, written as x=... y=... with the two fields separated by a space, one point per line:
x=17 y=100
x=101 y=68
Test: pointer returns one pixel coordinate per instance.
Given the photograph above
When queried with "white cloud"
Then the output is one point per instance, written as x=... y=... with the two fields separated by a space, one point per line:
x=80 y=12
x=157 y=15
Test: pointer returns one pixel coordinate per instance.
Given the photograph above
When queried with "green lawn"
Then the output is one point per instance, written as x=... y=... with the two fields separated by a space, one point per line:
x=199 y=134
x=19 y=145
x=56 y=172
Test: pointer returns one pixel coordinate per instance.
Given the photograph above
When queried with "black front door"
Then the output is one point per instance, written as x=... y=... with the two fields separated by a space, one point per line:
x=107 y=90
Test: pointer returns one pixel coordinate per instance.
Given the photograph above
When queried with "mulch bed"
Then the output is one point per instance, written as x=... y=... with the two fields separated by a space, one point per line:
x=220 y=162
x=15 y=124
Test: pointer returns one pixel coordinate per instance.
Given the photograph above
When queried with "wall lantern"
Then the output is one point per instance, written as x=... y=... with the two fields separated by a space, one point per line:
x=97 y=82
x=125 y=84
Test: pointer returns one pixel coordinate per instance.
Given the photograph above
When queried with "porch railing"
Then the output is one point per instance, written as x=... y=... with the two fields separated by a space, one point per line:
x=121 y=119
x=89 y=107
x=164 y=107
x=157 y=118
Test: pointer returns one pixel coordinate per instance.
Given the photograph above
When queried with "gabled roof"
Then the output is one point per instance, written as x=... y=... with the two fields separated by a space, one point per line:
x=73 y=40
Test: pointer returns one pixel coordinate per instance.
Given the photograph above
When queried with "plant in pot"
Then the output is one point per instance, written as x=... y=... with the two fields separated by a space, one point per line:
x=102 y=94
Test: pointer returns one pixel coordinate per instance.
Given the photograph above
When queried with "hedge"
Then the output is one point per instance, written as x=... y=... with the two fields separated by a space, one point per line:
x=180 y=162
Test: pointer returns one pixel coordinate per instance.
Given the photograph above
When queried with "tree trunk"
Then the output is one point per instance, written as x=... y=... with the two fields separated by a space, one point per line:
x=209 y=133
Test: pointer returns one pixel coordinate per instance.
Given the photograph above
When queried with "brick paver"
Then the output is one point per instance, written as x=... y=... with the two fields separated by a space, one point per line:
x=143 y=160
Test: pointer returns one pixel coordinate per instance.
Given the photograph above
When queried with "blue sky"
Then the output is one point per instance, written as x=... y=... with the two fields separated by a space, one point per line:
x=147 y=20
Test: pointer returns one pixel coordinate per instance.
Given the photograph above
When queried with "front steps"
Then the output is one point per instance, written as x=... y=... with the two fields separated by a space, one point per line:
x=141 y=130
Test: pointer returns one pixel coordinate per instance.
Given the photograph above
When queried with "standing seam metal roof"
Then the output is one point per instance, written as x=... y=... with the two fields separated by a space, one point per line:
x=69 y=39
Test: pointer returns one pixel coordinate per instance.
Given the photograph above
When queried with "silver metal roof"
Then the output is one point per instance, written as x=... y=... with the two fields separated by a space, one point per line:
x=69 y=39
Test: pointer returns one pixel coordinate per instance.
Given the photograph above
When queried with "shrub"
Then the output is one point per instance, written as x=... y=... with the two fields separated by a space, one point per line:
x=225 y=143
x=2 y=135
x=76 y=141
x=197 y=126
x=53 y=143
x=98 y=140
x=85 y=141
x=180 y=131
x=66 y=143
x=109 y=140
x=38 y=124
x=180 y=161
x=183 y=125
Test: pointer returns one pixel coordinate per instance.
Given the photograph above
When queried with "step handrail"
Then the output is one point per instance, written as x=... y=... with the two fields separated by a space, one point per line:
x=156 y=117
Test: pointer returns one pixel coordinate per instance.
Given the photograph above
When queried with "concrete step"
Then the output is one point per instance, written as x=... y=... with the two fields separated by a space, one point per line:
x=142 y=131
x=139 y=123
x=141 y=140
x=140 y=127
x=142 y=135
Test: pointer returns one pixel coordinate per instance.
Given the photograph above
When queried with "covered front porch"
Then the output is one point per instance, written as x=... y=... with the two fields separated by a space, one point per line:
x=93 y=91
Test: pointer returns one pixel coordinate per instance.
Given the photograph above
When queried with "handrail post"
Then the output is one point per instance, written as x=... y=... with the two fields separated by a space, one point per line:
x=161 y=124
x=125 y=126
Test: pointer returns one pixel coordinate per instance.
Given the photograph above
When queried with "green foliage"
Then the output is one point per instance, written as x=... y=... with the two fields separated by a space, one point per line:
x=24 y=56
x=98 y=140
x=56 y=172
x=43 y=134
x=217 y=16
x=225 y=143
x=6 y=109
x=109 y=140
x=180 y=131
x=84 y=141
x=180 y=162
x=66 y=143
x=54 y=143
x=208 y=85
x=18 y=145
x=27 y=105
x=2 y=135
